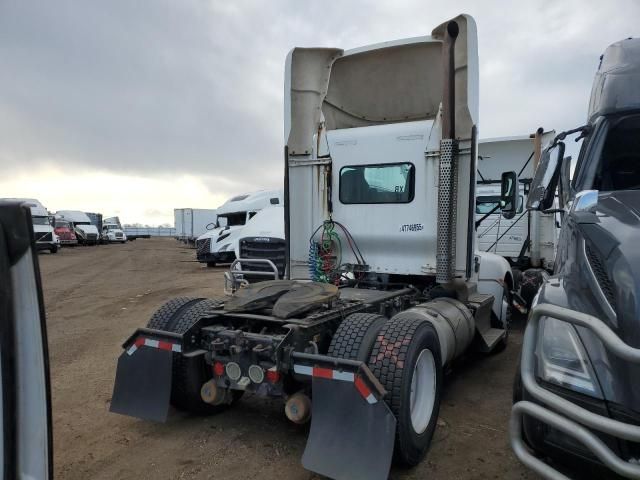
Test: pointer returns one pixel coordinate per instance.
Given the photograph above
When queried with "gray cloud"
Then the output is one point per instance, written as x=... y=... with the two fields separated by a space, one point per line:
x=152 y=88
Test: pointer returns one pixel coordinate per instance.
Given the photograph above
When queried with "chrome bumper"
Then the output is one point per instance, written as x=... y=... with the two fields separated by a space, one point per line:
x=569 y=418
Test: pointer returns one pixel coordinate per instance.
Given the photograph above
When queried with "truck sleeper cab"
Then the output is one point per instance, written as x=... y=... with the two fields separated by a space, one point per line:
x=383 y=286
x=112 y=233
x=576 y=396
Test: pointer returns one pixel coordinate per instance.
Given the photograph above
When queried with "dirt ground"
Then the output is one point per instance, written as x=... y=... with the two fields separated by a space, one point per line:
x=95 y=298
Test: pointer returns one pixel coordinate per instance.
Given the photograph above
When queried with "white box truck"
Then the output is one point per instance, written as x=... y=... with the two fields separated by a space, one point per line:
x=45 y=236
x=86 y=232
x=218 y=244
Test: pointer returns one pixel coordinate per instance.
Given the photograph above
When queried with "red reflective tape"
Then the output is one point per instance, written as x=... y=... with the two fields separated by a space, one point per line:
x=139 y=342
x=362 y=388
x=322 y=372
x=165 y=345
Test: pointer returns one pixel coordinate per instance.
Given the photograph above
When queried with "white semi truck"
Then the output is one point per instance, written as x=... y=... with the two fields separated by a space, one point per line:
x=218 y=244
x=384 y=286
x=529 y=239
x=45 y=236
x=85 y=231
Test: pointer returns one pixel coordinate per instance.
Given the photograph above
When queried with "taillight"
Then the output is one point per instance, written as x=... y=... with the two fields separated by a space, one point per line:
x=218 y=369
x=273 y=375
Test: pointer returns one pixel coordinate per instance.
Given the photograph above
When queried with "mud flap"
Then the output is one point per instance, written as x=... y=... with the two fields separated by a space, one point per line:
x=352 y=429
x=143 y=379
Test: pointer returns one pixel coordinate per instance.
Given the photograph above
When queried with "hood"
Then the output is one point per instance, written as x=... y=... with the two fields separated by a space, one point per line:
x=216 y=232
x=88 y=228
x=227 y=239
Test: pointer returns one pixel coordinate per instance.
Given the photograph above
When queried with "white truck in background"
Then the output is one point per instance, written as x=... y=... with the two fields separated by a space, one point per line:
x=528 y=240
x=191 y=223
x=44 y=234
x=261 y=248
x=85 y=231
x=113 y=233
x=218 y=244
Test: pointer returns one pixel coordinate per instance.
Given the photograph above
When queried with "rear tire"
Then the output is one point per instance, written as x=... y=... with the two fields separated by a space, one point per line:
x=211 y=264
x=400 y=346
x=54 y=249
x=189 y=373
x=355 y=336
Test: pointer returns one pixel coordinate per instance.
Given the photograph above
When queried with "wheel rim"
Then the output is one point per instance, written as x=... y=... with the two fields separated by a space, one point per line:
x=423 y=391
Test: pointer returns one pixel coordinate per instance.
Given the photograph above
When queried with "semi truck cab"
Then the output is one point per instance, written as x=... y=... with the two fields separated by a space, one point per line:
x=45 y=236
x=577 y=398
x=218 y=244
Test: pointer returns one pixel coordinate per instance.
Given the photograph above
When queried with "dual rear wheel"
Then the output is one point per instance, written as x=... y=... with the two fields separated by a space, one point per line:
x=404 y=355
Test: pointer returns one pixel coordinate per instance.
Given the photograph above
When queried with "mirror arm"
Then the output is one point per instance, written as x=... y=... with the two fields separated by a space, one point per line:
x=554 y=210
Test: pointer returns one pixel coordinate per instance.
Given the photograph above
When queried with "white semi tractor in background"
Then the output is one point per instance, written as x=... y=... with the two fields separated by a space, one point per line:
x=86 y=232
x=529 y=239
x=44 y=234
x=218 y=244
x=191 y=223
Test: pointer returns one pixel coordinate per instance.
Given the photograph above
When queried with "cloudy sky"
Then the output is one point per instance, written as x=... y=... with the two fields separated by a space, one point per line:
x=134 y=108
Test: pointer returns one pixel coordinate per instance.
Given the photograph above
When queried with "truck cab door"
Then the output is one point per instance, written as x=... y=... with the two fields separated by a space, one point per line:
x=25 y=441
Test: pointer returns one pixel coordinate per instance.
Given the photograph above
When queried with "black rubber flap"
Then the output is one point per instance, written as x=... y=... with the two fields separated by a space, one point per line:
x=304 y=297
x=143 y=384
x=258 y=295
x=349 y=439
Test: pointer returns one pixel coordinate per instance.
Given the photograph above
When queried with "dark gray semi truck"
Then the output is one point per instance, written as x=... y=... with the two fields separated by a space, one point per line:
x=577 y=393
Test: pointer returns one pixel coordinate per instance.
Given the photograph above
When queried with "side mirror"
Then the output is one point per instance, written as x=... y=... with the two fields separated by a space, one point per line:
x=211 y=226
x=509 y=195
x=545 y=181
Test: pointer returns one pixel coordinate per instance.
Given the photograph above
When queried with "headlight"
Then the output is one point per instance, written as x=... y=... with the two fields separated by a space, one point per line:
x=562 y=359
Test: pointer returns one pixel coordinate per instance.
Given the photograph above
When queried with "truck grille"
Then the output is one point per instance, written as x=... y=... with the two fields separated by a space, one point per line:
x=118 y=235
x=264 y=247
x=203 y=246
x=92 y=236
x=43 y=237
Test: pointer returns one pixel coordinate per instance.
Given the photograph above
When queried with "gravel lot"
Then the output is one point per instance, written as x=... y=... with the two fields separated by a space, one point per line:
x=95 y=298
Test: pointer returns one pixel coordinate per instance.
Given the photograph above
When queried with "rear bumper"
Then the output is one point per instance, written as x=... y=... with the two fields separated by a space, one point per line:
x=554 y=424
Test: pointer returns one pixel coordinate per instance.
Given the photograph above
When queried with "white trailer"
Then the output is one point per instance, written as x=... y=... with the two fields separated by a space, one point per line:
x=529 y=239
x=43 y=231
x=190 y=223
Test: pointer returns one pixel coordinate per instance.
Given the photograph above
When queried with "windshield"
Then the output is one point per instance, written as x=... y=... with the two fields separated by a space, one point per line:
x=62 y=224
x=485 y=204
x=111 y=227
x=232 y=219
x=83 y=223
x=41 y=220
x=619 y=165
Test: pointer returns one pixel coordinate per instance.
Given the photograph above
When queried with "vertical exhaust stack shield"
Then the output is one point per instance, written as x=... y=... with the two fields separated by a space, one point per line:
x=448 y=171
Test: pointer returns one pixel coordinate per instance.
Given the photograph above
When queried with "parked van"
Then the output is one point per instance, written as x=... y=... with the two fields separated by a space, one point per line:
x=218 y=245
x=45 y=236
x=85 y=231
